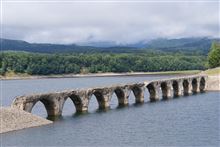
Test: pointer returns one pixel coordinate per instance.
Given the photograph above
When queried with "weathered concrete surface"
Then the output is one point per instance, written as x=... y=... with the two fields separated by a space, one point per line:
x=213 y=83
x=171 y=87
x=16 y=119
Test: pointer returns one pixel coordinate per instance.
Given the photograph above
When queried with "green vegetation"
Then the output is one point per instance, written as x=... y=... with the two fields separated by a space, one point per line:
x=213 y=71
x=190 y=46
x=159 y=55
x=46 y=64
x=214 y=55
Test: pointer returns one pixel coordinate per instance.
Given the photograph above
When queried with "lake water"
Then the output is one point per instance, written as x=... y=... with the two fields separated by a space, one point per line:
x=183 y=121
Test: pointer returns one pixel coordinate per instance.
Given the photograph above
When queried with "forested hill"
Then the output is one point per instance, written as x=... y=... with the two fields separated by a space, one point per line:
x=185 y=45
x=195 y=45
x=18 y=45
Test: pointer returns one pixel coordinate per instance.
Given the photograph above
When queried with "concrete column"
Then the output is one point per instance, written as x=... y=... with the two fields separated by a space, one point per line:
x=138 y=93
x=81 y=109
x=80 y=99
x=177 y=88
x=153 y=89
x=166 y=90
x=104 y=105
x=103 y=96
x=122 y=94
x=187 y=86
x=202 y=83
x=123 y=101
x=196 y=85
x=52 y=105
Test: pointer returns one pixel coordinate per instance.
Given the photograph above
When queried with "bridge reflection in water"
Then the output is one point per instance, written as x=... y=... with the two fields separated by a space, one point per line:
x=54 y=102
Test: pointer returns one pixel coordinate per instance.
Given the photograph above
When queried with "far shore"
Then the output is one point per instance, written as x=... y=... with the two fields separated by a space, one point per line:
x=25 y=76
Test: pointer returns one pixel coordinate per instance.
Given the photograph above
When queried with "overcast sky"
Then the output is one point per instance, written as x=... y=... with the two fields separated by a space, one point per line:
x=121 y=22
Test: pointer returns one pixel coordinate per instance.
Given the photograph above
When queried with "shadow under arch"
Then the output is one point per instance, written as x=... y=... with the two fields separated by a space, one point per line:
x=138 y=94
x=186 y=87
x=96 y=102
x=152 y=91
x=122 y=97
x=176 y=89
x=194 y=85
x=202 y=84
x=77 y=101
x=49 y=106
x=164 y=90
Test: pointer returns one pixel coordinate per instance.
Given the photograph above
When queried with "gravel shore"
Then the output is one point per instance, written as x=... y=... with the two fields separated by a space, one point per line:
x=15 y=119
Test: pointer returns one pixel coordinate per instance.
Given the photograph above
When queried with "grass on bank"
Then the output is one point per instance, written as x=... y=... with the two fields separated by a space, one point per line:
x=213 y=71
x=175 y=72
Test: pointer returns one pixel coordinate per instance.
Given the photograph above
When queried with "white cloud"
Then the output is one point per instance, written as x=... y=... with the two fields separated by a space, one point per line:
x=120 y=22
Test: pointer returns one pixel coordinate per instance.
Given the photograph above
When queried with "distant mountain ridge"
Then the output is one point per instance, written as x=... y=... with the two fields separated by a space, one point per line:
x=200 y=45
x=19 y=45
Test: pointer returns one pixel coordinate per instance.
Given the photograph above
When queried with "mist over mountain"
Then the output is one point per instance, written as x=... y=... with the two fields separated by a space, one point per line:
x=199 y=45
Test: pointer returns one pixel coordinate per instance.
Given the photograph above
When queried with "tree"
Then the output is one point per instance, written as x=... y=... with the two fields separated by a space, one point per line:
x=214 y=55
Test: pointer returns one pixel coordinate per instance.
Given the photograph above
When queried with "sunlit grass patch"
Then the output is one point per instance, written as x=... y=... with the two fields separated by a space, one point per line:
x=214 y=71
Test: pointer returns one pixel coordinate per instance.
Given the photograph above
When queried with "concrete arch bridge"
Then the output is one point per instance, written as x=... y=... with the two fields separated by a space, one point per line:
x=54 y=101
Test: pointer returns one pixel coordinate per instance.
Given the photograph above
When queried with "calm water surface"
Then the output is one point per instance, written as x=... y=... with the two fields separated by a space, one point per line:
x=183 y=121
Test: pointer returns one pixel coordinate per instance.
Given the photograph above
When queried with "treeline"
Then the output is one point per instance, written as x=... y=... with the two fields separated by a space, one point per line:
x=45 y=64
x=214 y=55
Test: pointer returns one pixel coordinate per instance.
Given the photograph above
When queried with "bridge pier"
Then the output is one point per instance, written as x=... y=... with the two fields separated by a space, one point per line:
x=53 y=103
x=177 y=88
x=195 y=85
x=153 y=89
x=166 y=89
x=80 y=100
x=187 y=87
x=138 y=91
x=122 y=94
x=103 y=97
x=202 y=84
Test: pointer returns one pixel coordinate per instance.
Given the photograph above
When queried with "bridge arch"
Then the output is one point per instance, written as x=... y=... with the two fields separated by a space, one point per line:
x=166 y=89
x=50 y=105
x=195 y=85
x=39 y=109
x=68 y=107
x=138 y=92
x=54 y=102
x=202 y=84
x=186 y=87
x=122 y=95
x=103 y=97
x=152 y=89
x=100 y=98
x=176 y=88
x=76 y=100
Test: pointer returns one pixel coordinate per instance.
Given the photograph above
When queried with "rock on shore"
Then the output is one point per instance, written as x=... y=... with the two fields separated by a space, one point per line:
x=15 y=119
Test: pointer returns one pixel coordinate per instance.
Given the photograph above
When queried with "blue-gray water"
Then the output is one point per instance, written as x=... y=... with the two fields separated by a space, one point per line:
x=184 y=121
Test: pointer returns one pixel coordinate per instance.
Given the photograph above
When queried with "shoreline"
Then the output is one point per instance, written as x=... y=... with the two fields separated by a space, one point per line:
x=26 y=77
x=13 y=119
